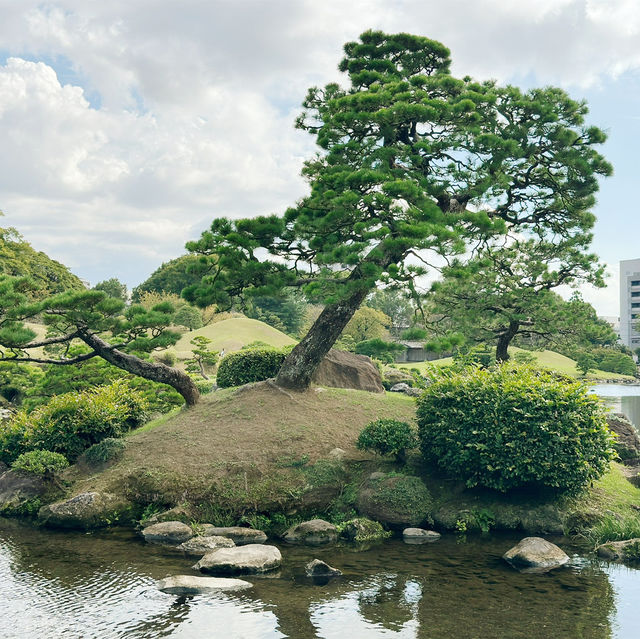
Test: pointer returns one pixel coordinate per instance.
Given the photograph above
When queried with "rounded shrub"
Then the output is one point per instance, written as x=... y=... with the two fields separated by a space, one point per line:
x=72 y=422
x=387 y=437
x=509 y=427
x=251 y=365
x=40 y=462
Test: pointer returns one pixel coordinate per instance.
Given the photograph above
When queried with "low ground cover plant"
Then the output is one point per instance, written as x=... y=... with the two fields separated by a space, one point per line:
x=513 y=426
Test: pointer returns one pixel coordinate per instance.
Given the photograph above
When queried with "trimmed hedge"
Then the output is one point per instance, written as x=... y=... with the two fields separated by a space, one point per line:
x=251 y=365
x=510 y=426
x=72 y=422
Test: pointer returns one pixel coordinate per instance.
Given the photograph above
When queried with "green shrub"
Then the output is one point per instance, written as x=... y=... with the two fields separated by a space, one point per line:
x=388 y=437
x=40 y=462
x=106 y=450
x=513 y=426
x=167 y=357
x=252 y=365
x=72 y=422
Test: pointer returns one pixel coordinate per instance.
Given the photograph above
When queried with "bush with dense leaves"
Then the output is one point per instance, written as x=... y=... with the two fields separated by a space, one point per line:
x=387 y=437
x=509 y=427
x=72 y=422
x=106 y=450
x=251 y=365
x=40 y=462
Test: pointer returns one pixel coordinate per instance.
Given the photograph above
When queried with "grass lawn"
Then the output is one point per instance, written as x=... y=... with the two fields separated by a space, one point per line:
x=544 y=359
x=232 y=334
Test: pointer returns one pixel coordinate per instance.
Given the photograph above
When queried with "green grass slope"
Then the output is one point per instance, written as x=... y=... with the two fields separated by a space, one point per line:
x=544 y=359
x=232 y=334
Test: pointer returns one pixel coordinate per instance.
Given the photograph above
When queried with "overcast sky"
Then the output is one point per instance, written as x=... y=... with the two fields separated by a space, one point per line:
x=126 y=126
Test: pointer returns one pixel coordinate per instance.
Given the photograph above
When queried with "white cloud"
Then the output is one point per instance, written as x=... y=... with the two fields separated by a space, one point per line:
x=170 y=113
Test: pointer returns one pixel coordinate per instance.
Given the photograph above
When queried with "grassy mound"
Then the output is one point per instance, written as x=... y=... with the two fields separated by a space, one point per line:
x=247 y=449
x=543 y=359
x=232 y=334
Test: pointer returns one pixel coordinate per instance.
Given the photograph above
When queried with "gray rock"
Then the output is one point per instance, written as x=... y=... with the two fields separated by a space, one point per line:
x=188 y=585
x=252 y=558
x=627 y=550
x=17 y=488
x=419 y=536
x=413 y=392
x=337 y=454
x=534 y=554
x=401 y=387
x=316 y=532
x=341 y=369
x=239 y=535
x=178 y=513
x=169 y=533
x=87 y=510
x=202 y=545
x=627 y=443
x=317 y=568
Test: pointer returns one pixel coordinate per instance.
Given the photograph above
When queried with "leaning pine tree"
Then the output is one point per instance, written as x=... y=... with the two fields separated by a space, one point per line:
x=413 y=163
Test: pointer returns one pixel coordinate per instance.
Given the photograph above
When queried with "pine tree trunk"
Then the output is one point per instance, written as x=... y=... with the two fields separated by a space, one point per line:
x=504 y=339
x=155 y=371
x=298 y=368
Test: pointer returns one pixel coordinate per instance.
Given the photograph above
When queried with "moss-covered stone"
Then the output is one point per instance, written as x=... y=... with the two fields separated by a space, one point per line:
x=362 y=529
x=394 y=499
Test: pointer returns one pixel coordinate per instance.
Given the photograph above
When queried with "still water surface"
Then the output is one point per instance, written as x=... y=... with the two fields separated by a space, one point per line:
x=102 y=585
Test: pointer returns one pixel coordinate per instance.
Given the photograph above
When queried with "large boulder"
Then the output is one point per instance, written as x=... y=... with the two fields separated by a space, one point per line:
x=252 y=558
x=535 y=554
x=168 y=533
x=87 y=510
x=239 y=535
x=19 y=489
x=341 y=369
x=202 y=545
x=627 y=550
x=316 y=532
x=627 y=443
x=395 y=500
x=189 y=585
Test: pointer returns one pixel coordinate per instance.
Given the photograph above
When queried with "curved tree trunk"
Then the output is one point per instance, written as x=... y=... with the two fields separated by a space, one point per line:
x=155 y=371
x=504 y=339
x=300 y=365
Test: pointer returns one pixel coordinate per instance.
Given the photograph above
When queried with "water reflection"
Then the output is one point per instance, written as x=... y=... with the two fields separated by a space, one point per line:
x=103 y=585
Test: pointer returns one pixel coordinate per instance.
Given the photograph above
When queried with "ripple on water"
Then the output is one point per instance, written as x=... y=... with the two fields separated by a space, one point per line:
x=103 y=586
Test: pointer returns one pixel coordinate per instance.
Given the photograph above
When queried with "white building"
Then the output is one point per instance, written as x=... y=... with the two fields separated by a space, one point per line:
x=630 y=303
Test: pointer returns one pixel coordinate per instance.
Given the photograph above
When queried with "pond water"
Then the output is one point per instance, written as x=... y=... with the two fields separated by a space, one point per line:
x=621 y=399
x=102 y=585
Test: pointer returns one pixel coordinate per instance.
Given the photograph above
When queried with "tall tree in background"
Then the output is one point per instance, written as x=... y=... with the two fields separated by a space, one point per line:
x=508 y=291
x=113 y=287
x=19 y=259
x=412 y=162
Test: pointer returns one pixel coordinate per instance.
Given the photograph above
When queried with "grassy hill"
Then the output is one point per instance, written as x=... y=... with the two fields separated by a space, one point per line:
x=544 y=359
x=232 y=334
x=252 y=447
